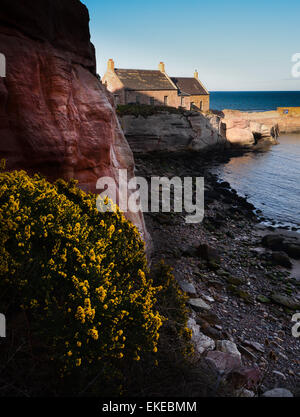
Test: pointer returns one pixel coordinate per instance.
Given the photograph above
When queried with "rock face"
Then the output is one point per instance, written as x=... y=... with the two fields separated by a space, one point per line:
x=56 y=118
x=194 y=131
x=286 y=123
x=173 y=132
x=241 y=130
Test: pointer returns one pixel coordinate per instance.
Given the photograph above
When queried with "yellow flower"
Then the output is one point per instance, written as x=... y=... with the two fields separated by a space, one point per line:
x=78 y=362
x=33 y=303
x=93 y=333
x=80 y=315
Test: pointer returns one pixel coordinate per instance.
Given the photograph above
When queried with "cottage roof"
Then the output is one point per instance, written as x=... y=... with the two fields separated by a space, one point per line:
x=134 y=79
x=189 y=85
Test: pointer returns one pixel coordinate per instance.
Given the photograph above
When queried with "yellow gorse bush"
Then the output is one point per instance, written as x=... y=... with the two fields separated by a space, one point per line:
x=78 y=274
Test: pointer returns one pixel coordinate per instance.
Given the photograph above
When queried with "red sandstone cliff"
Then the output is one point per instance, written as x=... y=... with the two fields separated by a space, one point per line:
x=55 y=116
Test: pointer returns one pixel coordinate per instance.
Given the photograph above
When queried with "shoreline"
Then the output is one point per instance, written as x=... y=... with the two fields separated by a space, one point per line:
x=265 y=219
x=238 y=285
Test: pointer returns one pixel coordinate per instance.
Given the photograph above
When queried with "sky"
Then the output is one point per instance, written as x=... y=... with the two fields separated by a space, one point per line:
x=235 y=45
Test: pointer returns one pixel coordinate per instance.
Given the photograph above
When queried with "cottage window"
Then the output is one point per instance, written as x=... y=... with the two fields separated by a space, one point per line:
x=201 y=105
x=182 y=101
x=137 y=99
x=165 y=100
x=151 y=101
x=192 y=105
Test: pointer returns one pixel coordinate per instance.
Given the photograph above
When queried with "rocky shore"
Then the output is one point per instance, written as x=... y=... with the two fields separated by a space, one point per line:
x=240 y=278
x=287 y=123
x=174 y=130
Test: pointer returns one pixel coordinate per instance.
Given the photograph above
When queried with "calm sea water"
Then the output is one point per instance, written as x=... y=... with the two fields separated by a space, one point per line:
x=253 y=100
x=270 y=179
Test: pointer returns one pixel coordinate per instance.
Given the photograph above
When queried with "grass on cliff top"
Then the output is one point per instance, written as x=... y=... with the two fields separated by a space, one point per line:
x=145 y=110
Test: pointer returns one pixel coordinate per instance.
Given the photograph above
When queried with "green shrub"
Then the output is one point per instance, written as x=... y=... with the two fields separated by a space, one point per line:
x=172 y=304
x=145 y=110
x=170 y=372
x=76 y=274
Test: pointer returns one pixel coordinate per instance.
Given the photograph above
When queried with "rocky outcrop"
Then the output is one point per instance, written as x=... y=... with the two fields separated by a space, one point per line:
x=56 y=118
x=172 y=132
x=264 y=126
x=242 y=129
x=194 y=131
x=287 y=123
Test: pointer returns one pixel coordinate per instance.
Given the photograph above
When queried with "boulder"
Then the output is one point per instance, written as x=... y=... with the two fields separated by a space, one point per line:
x=278 y=392
x=283 y=243
x=187 y=287
x=259 y=130
x=282 y=259
x=263 y=299
x=228 y=347
x=255 y=345
x=243 y=377
x=223 y=361
x=210 y=331
x=245 y=393
x=210 y=317
x=198 y=304
x=240 y=137
x=209 y=253
x=286 y=301
x=293 y=250
x=202 y=342
x=274 y=242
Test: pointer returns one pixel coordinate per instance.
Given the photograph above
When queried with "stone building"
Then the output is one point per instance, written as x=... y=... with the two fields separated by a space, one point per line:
x=155 y=87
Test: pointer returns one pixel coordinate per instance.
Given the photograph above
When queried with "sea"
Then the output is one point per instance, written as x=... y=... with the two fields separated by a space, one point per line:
x=253 y=100
x=270 y=178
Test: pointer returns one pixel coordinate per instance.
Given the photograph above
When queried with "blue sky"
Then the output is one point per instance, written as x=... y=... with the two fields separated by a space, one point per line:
x=235 y=45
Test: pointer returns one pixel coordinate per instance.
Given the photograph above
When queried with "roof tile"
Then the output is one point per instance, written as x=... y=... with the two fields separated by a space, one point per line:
x=189 y=85
x=144 y=79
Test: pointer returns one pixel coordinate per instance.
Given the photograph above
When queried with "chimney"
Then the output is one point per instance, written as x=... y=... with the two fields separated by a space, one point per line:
x=111 y=65
x=161 y=67
x=196 y=75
